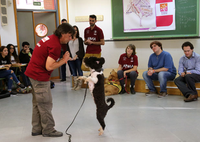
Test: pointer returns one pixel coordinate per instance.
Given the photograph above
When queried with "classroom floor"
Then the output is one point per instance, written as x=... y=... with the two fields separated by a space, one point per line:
x=134 y=118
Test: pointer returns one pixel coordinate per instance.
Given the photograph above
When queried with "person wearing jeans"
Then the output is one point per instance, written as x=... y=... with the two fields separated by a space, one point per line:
x=161 y=68
x=10 y=76
x=7 y=73
x=76 y=49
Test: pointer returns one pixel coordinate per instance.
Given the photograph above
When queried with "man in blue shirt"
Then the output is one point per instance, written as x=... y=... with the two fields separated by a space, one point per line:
x=189 y=71
x=161 y=68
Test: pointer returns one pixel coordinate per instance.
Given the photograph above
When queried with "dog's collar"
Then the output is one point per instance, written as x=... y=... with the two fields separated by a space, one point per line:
x=97 y=70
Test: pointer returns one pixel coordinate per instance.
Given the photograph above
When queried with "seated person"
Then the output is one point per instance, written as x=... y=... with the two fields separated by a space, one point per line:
x=7 y=73
x=26 y=53
x=128 y=63
x=14 y=59
x=189 y=71
x=160 y=67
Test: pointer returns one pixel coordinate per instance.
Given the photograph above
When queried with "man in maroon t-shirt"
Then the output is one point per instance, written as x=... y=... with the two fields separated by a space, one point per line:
x=44 y=60
x=94 y=38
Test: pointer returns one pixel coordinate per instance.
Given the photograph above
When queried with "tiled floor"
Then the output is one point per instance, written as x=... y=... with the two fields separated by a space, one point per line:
x=134 y=118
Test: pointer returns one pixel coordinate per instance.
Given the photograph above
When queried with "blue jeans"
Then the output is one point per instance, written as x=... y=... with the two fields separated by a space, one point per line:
x=75 y=67
x=10 y=77
x=24 y=77
x=162 y=77
x=63 y=72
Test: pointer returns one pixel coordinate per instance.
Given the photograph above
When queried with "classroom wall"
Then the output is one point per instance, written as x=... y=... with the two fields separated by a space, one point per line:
x=8 y=32
x=63 y=9
x=112 y=49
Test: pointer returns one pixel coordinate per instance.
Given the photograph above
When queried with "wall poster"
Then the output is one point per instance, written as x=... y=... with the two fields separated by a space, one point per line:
x=148 y=15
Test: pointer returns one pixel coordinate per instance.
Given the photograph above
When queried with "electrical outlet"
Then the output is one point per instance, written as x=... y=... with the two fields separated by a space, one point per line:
x=86 y=18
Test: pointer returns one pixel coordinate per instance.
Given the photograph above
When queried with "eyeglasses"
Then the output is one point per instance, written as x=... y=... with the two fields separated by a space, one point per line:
x=11 y=48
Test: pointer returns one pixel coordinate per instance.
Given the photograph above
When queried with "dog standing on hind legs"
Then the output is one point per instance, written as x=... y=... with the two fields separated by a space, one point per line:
x=96 y=87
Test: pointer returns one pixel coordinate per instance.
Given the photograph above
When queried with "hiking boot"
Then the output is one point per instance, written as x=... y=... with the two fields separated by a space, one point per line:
x=53 y=134
x=36 y=134
x=162 y=94
x=191 y=98
x=150 y=93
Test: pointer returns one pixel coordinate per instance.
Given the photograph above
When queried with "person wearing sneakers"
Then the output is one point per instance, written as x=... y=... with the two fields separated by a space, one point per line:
x=160 y=67
x=128 y=63
x=189 y=71
x=77 y=52
x=8 y=73
x=44 y=60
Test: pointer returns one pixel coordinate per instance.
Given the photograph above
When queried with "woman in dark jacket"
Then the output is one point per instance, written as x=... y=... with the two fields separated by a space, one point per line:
x=77 y=52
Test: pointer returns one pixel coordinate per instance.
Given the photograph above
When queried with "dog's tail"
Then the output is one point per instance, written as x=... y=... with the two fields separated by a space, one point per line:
x=112 y=102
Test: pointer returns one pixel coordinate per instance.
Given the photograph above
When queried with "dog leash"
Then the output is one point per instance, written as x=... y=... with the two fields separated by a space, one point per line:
x=125 y=84
x=69 y=140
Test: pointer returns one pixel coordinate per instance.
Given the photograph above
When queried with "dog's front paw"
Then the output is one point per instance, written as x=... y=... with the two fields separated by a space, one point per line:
x=100 y=131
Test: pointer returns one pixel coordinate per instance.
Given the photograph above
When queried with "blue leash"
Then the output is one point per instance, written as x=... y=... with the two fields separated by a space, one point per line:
x=69 y=140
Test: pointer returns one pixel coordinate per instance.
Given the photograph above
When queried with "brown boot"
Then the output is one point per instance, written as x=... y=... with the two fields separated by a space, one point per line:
x=79 y=85
x=75 y=82
x=191 y=98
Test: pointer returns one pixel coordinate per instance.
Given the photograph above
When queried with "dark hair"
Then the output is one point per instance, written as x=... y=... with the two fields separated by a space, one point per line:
x=157 y=43
x=187 y=43
x=63 y=20
x=2 y=48
x=132 y=47
x=12 y=54
x=64 y=28
x=93 y=16
x=25 y=43
x=77 y=35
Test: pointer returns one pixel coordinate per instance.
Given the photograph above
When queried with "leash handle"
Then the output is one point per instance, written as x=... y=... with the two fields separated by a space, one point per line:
x=69 y=140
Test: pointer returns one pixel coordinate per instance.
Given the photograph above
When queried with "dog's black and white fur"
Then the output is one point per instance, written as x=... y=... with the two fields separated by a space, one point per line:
x=96 y=86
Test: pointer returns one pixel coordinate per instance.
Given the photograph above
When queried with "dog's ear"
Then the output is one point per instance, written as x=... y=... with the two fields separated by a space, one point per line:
x=101 y=60
x=86 y=59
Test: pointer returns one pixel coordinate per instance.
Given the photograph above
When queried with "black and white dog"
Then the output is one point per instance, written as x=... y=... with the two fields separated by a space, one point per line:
x=96 y=87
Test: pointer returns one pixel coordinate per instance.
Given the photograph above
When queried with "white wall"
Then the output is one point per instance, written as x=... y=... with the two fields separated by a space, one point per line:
x=88 y=7
x=8 y=32
x=63 y=9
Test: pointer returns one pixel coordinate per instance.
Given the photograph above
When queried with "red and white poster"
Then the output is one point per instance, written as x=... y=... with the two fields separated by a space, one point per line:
x=148 y=15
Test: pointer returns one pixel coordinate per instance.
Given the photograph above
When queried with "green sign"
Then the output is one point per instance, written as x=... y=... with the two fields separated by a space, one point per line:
x=37 y=3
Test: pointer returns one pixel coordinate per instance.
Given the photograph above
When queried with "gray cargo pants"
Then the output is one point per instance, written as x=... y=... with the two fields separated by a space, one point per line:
x=42 y=119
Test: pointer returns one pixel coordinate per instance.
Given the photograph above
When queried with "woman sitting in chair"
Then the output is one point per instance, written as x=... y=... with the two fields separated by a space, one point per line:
x=7 y=73
x=14 y=59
